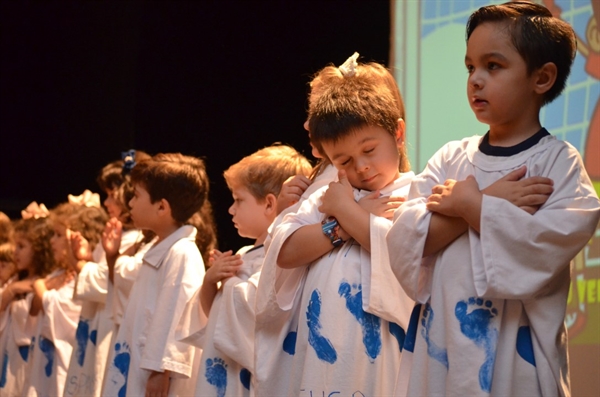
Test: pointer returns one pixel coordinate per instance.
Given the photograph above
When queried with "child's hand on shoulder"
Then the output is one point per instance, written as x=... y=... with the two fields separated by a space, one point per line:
x=111 y=237
x=291 y=191
x=336 y=195
x=529 y=194
x=381 y=206
x=222 y=266
x=454 y=198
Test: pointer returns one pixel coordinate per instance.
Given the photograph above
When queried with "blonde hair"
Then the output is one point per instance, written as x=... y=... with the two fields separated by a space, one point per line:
x=339 y=104
x=7 y=251
x=263 y=172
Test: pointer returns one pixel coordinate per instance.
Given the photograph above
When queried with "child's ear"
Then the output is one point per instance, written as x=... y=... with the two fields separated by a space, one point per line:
x=400 y=132
x=270 y=204
x=544 y=77
x=164 y=208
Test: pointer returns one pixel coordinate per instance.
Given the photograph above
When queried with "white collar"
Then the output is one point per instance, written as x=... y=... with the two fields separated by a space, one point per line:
x=154 y=257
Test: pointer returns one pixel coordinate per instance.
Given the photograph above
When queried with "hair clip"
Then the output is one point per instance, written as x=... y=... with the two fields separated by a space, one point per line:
x=129 y=159
x=35 y=211
x=348 y=68
x=87 y=198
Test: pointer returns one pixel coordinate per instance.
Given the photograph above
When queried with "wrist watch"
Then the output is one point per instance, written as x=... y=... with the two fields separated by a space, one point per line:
x=330 y=228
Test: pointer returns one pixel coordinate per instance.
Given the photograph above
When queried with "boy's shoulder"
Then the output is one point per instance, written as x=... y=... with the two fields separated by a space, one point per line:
x=180 y=243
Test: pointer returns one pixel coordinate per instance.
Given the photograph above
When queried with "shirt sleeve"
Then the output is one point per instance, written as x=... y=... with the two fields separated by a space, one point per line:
x=182 y=276
x=234 y=330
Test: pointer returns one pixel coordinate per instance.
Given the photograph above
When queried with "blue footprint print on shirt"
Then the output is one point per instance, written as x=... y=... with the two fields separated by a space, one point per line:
x=4 y=369
x=433 y=350
x=47 y=347
x=82 y=335
x=121 y=362
x=323 y=347
x=216 y=374
x=289 y=343
x=93 y=336
x=477 y=326
x=370 y=324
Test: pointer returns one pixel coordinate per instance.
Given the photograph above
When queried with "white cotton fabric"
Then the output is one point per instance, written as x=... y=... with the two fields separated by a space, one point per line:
x=14 y=346
x=172 y=271
x=274 y=320
x=349 y=302
x=95 y=329
x=53 y=341
x=228 y=350
x=493 y=302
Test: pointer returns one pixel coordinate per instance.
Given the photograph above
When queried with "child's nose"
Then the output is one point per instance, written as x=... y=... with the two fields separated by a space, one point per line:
x=230 y=210
x=362 y=165
x=475 y=80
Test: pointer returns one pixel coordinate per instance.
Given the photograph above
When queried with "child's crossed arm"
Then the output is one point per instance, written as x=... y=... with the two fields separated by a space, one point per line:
x=309 y=242
x=457 y=205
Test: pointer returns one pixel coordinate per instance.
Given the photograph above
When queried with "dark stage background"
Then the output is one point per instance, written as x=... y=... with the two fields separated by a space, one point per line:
x=82 y=81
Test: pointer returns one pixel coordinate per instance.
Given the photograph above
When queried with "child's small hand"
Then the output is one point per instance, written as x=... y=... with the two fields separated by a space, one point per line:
x=291 y=191
x=79 y=245
x=337 y=193
x=158 y=384
x=381 y=206
x=222 y=266
x=453 y=197
x=111 y=237
x=529 y=194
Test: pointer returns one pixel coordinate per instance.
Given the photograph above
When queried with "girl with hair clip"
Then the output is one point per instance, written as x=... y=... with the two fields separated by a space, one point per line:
x=33 y=258
x=300 y=304
x=53 y=304
x=92 y=287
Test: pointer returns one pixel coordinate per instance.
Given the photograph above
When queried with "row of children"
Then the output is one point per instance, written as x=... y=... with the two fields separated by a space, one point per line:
x=363 y=279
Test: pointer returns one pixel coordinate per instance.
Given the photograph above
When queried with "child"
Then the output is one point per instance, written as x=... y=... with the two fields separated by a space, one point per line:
x=53 y=305
x=492 y=274
x=340 y=348
x=169 y=189
x=5 y=228
x=93 y=289
x=255 y=182
x=7 y=264
x=33 y=258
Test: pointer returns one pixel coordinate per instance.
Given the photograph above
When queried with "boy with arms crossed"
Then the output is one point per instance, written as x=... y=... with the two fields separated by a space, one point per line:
x=492 y=274
x=148 y=360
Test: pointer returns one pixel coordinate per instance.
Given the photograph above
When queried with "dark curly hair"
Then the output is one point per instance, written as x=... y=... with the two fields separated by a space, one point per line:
x=38 y=232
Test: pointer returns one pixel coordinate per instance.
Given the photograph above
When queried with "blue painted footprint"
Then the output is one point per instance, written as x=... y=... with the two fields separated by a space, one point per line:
x=47 y=347
x=4 y=369
x=121 y=362
x=93 y=336
x=24 y=352
x=370 y=324
x=81 y=337
x=216 y=374
x=289 y=343
x=323 y=347
x=433 y=350
x=476 y=325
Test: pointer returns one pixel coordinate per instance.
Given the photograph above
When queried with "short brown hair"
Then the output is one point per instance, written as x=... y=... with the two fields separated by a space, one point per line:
x=536 y=35
x=263 y=172
x=340 y=104
x=179 y=179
